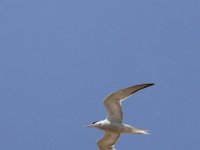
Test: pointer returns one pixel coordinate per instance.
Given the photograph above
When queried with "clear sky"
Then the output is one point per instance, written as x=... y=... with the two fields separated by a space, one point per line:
x=59 y=58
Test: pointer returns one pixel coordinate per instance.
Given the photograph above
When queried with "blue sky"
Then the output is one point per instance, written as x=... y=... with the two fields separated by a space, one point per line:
x=59 y=58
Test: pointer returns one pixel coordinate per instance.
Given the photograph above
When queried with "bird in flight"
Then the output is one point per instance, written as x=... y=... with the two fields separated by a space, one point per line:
x=113 y=125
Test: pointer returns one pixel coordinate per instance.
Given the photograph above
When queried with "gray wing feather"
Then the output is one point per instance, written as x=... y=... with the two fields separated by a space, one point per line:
x=107 y=141
x=113 y=101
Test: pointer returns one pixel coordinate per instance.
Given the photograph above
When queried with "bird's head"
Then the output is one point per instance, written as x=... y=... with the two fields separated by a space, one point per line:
x=93 y=124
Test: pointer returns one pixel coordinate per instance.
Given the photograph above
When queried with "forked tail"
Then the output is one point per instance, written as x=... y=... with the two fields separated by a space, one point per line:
x=139 y=131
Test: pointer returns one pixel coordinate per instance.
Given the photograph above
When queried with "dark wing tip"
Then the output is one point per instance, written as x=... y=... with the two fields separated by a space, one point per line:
x=142 y=86
x=150 y=84
x=145 y=84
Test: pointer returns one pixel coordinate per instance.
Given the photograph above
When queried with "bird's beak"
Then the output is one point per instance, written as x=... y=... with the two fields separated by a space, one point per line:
x=90 y=125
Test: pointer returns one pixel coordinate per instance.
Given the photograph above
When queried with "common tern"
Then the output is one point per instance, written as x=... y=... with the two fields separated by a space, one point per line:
x=113 y=125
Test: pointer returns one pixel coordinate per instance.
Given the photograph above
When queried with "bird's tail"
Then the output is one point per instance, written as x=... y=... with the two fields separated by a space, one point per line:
x=140 y=131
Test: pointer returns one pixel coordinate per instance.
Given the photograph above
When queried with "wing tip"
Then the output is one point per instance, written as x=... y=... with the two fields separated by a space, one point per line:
x=147 y=84
x=150 y=84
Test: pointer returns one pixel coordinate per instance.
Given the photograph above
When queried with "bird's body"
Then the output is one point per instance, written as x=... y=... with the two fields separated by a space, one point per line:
x=113 y=125
x=118 y=127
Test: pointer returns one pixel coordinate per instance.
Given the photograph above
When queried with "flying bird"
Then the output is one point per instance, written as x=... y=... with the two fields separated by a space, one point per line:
x=113 y=125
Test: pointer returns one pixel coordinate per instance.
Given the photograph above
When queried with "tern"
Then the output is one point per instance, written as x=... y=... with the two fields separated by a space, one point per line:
x=113 y=125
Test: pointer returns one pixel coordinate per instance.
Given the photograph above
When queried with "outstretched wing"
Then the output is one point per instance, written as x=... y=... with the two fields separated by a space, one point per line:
x=113 y=101
x=107 y=141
